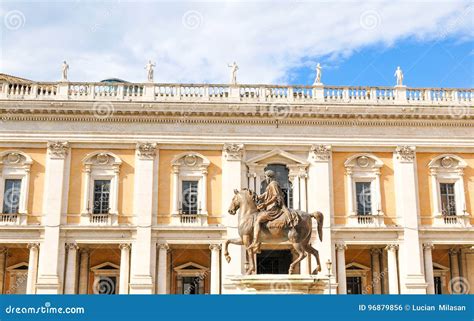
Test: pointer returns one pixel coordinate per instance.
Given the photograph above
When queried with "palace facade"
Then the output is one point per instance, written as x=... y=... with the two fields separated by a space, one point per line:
x=124 y=188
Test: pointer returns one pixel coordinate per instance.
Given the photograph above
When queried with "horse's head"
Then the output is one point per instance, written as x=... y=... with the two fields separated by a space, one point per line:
x=243 y=196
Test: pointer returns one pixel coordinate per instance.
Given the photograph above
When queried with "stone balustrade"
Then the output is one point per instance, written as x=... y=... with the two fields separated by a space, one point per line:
x=234 y=93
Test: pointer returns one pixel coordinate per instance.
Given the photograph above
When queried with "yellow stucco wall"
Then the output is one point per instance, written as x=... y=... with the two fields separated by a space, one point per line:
x=425 y=190
x=37 y=175
x=214 y=183
x=387 y=185
x=126 y=183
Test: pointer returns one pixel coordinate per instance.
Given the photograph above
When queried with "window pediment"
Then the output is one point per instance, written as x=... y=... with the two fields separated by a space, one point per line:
x=276 y=156
x=102 y=159
x=363 y=163
x=190 y=161
x=447 y=163
x=14 y=158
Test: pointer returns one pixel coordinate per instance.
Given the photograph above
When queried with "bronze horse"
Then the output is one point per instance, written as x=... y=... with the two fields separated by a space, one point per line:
x=299 y=236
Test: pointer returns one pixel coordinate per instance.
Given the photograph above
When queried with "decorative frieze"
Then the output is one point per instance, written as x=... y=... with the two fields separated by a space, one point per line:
x=321 y=153
x=58 y=149
x=233 y=151
x=405 y=153
x=146 y=150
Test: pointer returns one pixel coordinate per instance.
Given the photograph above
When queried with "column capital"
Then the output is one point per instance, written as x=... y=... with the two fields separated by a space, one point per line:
x=375 y=251
x=215 y=247
x=405 y=153
x=146 y=150
x=320 y=153
x=72 y=246
x=124 y=246
x=58 y=149
x=341 y=246
x=233 y=151
x=453 y=251
x=428 y=246
x=33 y=246
x=163 y=246
x=392 y=247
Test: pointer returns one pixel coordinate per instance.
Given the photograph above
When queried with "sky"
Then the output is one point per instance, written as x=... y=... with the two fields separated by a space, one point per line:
x=273 y=42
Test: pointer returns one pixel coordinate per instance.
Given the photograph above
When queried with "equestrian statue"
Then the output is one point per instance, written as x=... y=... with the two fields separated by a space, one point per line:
x=266 y=218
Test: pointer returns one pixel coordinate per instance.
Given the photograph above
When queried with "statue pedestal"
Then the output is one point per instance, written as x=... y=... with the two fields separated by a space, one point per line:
x=275 y=284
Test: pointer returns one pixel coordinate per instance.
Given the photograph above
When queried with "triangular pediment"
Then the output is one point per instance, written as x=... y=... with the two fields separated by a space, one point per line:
x=357 y=266
x=105 y=266
x=277 y=156
x=190 y=266
x=18 y=267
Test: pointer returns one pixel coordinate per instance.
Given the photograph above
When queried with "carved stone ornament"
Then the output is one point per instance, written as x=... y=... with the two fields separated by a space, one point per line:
x=190 y=160
x=363 y=161
x=102 y=159
x=146 y=150
x=233 y=151
x=13 y=158
x=58 y=149
x=406 y=153
x=446 y=162
x=321 y=152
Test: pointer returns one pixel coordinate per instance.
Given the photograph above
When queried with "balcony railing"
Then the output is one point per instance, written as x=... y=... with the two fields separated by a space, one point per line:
x=241 y=92
x=12 y=219
x=452 y=220
x=181 y=219
x=366 y=220
x=103 y=219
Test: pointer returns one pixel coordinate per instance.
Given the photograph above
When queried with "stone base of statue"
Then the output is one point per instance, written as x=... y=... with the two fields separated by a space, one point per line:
x=276 y=284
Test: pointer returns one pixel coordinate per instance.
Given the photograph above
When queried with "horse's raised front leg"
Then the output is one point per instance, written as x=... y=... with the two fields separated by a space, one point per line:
x=226 y=247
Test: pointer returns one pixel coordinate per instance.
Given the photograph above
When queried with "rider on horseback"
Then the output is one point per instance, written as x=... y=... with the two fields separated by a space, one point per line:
x=271 y=206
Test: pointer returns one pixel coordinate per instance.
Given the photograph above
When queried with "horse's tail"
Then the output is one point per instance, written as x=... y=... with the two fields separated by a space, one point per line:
x=319 y=217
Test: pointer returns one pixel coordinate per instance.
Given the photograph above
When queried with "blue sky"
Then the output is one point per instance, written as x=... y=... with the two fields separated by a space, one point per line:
x=357 y=43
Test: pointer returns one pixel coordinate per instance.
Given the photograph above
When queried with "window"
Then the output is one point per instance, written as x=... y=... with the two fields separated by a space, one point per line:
x=282 y=177
x=354 y=285
x=101 y=196
x=189 y=197
x=438 y=285
x=363 y=198
x=448 y=199
x=274 y=262
x=14 y=185
x=11 y=196
x=190 y=285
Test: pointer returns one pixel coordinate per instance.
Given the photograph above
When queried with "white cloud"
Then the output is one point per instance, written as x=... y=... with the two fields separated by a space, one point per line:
x=193 y=42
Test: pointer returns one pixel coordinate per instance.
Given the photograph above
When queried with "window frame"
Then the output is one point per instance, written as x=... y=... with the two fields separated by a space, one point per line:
x=15 y=164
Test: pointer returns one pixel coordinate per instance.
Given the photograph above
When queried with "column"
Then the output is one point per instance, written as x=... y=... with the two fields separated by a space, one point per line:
x=215 y=268
x=32 y=268
x=428 y=259
x=84 y=272
x=71 y=269
x=87 y=182
x=124 y=268
x=175 y=205
x=204 y=192
x=303 y=200
x=321 y=190
x=233 y=177
x=376 y=276
x=3 y=257
x=341 y=268
x=454 y=267
x=145 y=212
x=392 y=268
x=162 y=267
x=412 y=278
x=51 y=260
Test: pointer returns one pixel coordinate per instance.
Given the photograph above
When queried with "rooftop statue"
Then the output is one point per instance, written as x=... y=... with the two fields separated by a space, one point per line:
x=265 y=218
x=233 y=76
x=150 y=70
x=399 y=75
x=65 y=69
x=317 y=80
